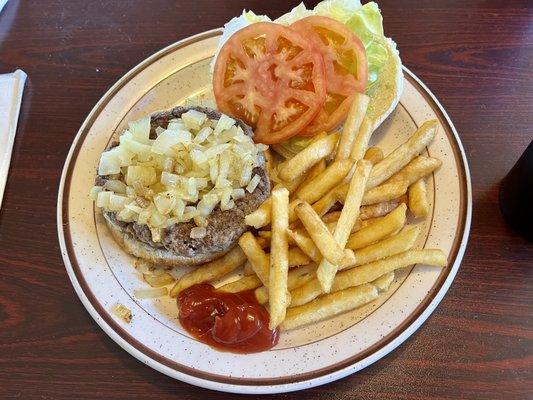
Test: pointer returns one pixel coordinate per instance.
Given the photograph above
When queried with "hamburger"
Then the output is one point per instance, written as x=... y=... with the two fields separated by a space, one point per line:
x=176 y=188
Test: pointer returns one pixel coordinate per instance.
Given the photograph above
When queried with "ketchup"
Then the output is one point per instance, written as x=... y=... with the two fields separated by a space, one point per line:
x=233 y=322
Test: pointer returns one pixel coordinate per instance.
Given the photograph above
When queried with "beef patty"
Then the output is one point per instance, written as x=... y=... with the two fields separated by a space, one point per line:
x=223 y=227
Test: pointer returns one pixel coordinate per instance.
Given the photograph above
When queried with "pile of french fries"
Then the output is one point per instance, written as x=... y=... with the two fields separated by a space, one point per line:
x=309 y=260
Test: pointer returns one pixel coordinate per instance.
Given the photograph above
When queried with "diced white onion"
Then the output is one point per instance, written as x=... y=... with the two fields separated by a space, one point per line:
x=114 y=185
x=122 y=312
x=223 y=124
x=198 y=232
x=253 y=183
x=140 y=129
x=102 y=199
x=193 y=119
x=193 y=165
x=94 y=192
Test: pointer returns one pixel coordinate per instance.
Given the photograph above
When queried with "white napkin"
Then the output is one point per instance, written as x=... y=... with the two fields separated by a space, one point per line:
x=2 y=4
x=11 y=87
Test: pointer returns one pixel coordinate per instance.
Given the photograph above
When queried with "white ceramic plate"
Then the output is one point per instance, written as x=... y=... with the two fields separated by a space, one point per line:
x=103 y=275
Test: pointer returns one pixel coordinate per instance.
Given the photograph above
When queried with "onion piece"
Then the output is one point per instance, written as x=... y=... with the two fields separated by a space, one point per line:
x=151 y=293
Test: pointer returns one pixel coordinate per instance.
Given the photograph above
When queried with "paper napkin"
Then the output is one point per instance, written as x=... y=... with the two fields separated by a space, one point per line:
x=11 y=87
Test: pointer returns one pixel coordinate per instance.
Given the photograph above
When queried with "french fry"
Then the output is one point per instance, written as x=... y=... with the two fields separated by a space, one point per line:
x=279 y=260
x=329 y=306
x=384 y=192
x=378 y=229
x=210 y=271
x=295 y=278
x=258 y=259
x=352 y=126
x=306 y=244
x=261 y=217
x=296 y=166
x=374 y=155
x=323 y=205
x=396 y=244
x=418 y=168
x=316 y=169
x=384 y=281
x=380 y=209
x=403 y=154
x=367 y=273
x=326 y=270
x=159 y=280
x=361 y=141
x=314 y=189
x=245 y=283
x=322 y=237
x=297 y=257
x=331 y=217
x=418 y=199
x=267 y=235
x=247 y=270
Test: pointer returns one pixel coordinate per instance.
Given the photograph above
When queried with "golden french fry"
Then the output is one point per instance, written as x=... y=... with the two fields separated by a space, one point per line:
x=314 y=189
x=290 y=169
x=261 y=216
x=418 y=199
x=159 y=280
x=352 y=126
x=374 y=155
x=316 y=169
x=384 y=192
x=279 y=260
x=361 y=141
x=210 y=271
x=326 y=270
x=246 y=283
x=420 y=167
x=399 y=243
x=404 y=153
x=331 y=217
x=267 y=235
x=306 y=244
x=329 y=306
x=379 y=229
x=384 y=281
x=257 y=258
x=380 y=209
x=247 y=269
x=323 y=205
x=367 y=273
x=323 y=239
x=295 y=278
x=297 y=257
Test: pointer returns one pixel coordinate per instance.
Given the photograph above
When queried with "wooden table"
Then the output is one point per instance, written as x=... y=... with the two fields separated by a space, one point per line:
x=476 y=56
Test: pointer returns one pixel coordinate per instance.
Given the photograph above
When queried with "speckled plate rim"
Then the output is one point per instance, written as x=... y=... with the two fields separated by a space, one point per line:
x=406 y=329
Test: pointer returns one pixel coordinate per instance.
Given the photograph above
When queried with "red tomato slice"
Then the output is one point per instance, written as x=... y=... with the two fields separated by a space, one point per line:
x=345 y=64
x=272 y=78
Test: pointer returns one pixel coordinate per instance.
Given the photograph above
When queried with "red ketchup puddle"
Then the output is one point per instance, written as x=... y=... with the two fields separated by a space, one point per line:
x=233 y=322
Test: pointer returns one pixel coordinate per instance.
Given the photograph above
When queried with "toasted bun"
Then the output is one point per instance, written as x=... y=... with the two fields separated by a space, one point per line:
x=385 y=95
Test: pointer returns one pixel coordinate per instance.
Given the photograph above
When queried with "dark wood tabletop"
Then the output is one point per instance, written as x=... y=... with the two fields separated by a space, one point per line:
x=476 y=56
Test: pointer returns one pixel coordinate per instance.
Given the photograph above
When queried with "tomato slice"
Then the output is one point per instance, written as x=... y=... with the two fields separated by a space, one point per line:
x=345 y=64
x=272 y=78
